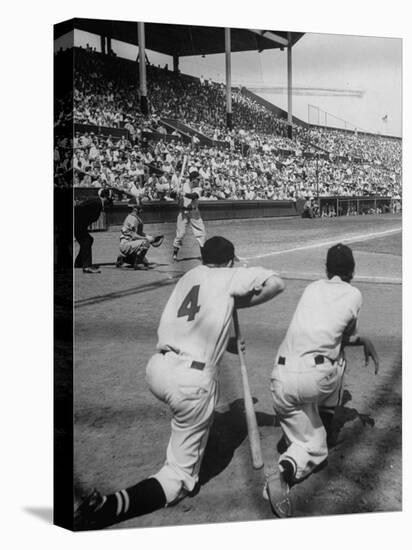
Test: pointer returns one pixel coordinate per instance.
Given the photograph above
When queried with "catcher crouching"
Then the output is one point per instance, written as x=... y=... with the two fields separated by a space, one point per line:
x=134 y=242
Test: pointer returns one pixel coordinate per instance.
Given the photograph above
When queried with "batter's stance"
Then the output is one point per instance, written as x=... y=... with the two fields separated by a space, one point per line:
x=306 y=380
x=192 y=337
x=188 y=200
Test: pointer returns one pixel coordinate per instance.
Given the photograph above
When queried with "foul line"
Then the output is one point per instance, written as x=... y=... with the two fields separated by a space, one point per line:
x=354 y=238
x=294 y=275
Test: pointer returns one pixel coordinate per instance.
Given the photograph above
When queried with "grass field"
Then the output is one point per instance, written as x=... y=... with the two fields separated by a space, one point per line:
x=121 y=430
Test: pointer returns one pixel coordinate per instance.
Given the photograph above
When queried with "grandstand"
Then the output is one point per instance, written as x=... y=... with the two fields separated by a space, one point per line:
x=119 y=145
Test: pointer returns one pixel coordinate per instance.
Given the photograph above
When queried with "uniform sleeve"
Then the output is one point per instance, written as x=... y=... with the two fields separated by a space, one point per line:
x=357 y=302
x=352 y=327
x=249 y=279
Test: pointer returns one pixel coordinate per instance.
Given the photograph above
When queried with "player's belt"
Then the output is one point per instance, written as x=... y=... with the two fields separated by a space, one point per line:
x=319 y=360
x=198 y=365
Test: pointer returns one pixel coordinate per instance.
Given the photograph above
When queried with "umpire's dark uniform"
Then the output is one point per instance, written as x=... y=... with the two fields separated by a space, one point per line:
x=85 y=213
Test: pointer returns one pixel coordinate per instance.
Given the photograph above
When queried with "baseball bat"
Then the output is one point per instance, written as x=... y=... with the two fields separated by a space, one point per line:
x=182 y=171
x=252 y=427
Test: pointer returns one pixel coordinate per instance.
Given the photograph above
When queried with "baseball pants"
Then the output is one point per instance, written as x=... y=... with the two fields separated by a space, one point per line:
x=85 y=240
x=299 y=388
x=191 y=395
x=139 y=246
x=199 y=231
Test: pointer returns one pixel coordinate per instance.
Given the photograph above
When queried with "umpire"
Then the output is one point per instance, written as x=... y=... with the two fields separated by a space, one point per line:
x=85 y=213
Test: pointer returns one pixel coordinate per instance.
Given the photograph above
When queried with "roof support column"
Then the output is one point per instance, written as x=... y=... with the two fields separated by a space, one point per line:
x=109 y=45
x=103 y=44
x=142 y=68
x=289 y=86
x=175 y=63
x=229 y=122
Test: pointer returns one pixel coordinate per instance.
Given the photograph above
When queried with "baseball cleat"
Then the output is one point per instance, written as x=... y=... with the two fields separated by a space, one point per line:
x=91 y=270
x=89 y=513
x=139 y=264
x=119 y=261
x=147 y=263
x=276 y=491
x=141 y=267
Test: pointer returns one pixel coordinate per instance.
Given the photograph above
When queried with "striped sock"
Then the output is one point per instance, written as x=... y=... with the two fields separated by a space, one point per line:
x=143 y=498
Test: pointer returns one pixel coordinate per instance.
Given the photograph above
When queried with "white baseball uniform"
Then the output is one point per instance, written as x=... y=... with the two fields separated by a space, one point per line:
x=309 y=367
x=192 y=337
x=189 y=215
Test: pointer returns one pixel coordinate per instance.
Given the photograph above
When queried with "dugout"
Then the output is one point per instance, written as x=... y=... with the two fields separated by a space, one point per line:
x=354 y=206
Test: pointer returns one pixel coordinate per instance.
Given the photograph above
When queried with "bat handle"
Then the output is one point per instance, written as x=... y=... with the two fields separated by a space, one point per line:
x=236 y=324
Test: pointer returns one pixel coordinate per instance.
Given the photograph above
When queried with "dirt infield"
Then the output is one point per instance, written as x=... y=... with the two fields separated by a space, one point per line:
x=121 y=430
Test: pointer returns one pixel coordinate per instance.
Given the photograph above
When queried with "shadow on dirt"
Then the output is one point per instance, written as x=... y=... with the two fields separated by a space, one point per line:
x=227 y=433
x=346 y=414
x=130 y=266
x=128 y=292
x=353 y=490
x=189 y=259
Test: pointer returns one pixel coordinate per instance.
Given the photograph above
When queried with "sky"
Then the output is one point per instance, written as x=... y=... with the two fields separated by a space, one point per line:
x=365 y=74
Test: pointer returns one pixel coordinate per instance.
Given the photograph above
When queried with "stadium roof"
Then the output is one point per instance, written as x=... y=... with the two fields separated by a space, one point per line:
x=181 y=40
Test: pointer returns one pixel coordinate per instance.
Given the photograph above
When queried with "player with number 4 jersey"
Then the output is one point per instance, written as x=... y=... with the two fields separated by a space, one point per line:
x=196 y=320
x=192 y=337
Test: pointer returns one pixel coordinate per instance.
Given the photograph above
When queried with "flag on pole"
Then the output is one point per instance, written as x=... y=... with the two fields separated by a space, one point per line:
x=385 y=118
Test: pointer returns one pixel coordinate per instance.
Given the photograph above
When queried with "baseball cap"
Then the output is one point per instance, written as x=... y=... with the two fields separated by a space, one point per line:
x=218 y=250
x=193 y=175
x=105 y=193
x=339 y=260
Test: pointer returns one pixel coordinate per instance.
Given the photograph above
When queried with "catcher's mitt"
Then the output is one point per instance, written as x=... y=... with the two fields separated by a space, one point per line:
x=158 y=241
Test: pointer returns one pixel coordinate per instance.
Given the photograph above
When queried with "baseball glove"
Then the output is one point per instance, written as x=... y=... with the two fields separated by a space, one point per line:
x=158 y=241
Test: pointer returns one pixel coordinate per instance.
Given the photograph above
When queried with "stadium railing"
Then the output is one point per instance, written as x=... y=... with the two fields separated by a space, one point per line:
x=100 y=131
x=344 y=206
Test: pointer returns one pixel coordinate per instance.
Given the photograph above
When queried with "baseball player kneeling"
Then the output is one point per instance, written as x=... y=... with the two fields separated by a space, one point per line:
x=192 y=337
x=134 y=242
x=306 y=380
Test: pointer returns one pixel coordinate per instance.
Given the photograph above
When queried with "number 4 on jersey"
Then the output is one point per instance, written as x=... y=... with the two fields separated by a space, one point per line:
x=190 y=305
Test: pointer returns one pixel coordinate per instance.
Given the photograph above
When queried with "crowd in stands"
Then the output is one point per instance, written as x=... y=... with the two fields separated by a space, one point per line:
x=255 y=160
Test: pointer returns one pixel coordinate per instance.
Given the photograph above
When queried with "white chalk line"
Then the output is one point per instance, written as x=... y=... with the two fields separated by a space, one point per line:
x=357 y=278
x=350 y=239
